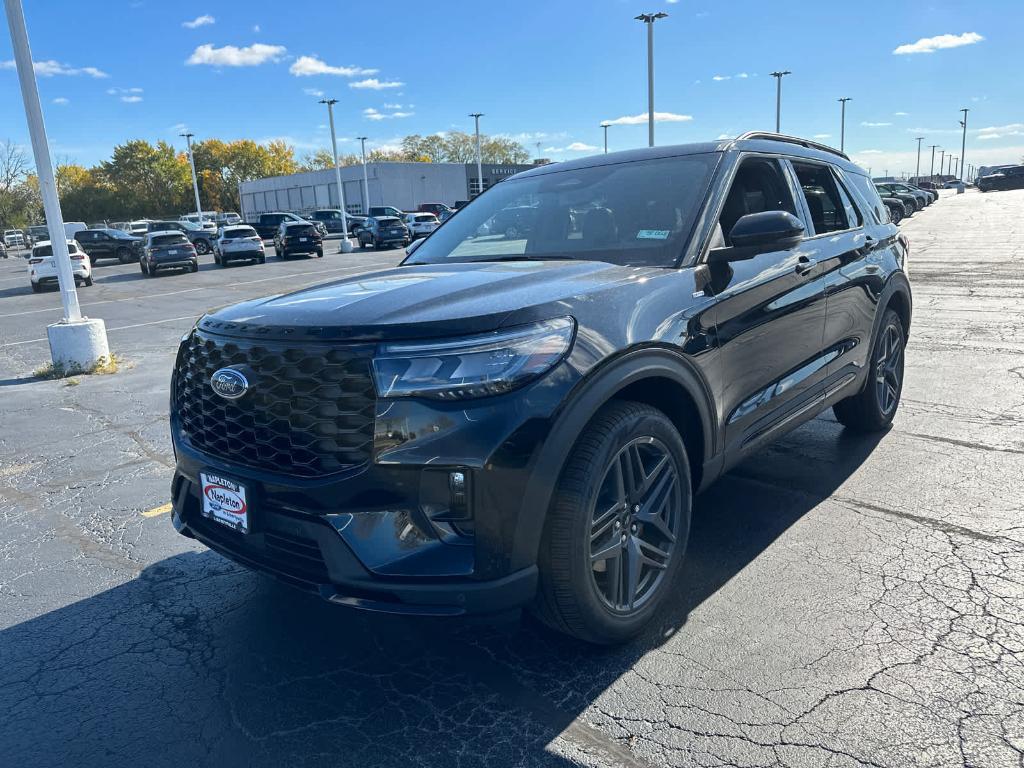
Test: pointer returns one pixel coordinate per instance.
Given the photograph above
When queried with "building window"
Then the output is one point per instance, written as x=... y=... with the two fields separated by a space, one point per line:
x=474 y=186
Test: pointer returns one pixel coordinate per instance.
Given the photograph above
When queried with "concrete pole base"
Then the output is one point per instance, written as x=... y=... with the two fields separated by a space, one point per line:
x=78 y=346
x=345 y=246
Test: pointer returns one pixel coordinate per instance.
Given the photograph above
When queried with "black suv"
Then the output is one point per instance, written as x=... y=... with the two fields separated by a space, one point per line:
x=383 y=232
x=298 y=237
x=1011 y=177
x=202 y=239
x=109 y=244
x=523 y=421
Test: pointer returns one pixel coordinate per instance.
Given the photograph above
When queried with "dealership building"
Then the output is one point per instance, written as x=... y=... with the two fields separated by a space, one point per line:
x=403 y=185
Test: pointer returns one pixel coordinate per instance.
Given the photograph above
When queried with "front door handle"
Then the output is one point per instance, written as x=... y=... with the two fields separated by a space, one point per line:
x=805 y=264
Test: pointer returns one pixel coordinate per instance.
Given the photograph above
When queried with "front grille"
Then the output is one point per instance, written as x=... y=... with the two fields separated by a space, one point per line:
x=309 y=411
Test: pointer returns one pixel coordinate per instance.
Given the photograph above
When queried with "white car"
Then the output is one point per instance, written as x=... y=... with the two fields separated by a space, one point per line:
x=207 y=221
x=14 y=238
x=138 y=228
x=42 y=269
x=420 y=224
x=239 y=243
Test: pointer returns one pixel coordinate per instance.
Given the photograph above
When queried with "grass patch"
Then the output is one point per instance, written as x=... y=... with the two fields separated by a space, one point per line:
x=104 y=366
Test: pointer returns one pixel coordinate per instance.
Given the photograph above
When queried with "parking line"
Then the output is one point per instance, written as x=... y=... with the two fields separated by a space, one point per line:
x=163 y=509
x=109 y=330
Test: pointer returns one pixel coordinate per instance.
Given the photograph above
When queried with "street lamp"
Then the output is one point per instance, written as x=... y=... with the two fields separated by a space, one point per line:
x=479 y=160
x=195 y=181
x=75 y=342
x=931 y=169
x=842 y=123
x=963 y=142
x=366 y=182
x=649 y=19
x=606 y=125
x=346 y=245
x=778 y=96
x=942 y=163
x=918 y=177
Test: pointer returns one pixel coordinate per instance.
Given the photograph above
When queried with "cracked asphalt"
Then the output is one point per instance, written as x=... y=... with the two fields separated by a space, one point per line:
x=849 y=601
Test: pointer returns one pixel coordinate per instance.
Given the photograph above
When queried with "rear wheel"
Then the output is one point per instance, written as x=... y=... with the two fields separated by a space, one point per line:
x=617 y=528
x=896 y=215
x=124 y=255
x=261 y=260
x=194 y=267
x=873 y=408
x=202 y=247
x=36 y=288
x=88 y=281
x=319 y=253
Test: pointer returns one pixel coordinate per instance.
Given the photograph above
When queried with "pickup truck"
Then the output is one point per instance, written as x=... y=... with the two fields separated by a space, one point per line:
x=266 y=225
x=385 y=210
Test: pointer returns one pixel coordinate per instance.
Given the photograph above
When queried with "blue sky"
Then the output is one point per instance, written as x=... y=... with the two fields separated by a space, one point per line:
x=547 y=72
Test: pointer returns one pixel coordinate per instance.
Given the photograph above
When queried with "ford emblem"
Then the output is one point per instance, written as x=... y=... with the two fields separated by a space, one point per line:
x=229 y=383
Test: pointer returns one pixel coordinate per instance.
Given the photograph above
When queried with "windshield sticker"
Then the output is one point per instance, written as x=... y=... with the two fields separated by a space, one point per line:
x=652 y=234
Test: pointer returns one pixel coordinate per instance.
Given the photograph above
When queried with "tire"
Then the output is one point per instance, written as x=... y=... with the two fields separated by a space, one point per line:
x=143 y=268
x=896 y=215
x=88 y=281
x=124 y=255
x=36 y=288
x=581 y=595
x=217 y=259
x=202 y=246
x=319 y=253
x=873 y=408
x=261 y=260
x=194 y=267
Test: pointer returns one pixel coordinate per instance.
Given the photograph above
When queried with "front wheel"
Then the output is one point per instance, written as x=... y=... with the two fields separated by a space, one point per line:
x=88 y=281
x=897 y=216
x=873 y=408
x=124 y=255
x=202 y=247
x=617 y=528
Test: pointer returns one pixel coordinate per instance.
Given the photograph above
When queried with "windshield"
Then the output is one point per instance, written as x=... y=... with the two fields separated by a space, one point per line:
x=636 y=213
x=160 y=241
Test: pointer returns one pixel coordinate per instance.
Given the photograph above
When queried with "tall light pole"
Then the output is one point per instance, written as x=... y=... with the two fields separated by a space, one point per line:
x=919 y=140
x=195 y=181
x=842 y=124
x=954 y=165
x=346 y=245
x=75 y=342
x=963 y=142
x=649 y=19
x=479 y=159
x=606 y=125
x=366 y=181
x=778 y=97
x=931 y=169
x=942 y=163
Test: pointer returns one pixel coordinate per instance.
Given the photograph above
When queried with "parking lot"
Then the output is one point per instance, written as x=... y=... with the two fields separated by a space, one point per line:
x=849 y=600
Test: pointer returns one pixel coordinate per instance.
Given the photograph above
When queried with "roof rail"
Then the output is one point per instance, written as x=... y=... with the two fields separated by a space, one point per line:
x=791 y=140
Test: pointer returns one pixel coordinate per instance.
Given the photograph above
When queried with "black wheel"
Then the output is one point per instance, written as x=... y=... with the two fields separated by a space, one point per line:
x=36 y=288
x=217 y=259
x=202 y=247
x=896 y=215
x=319 y=253
x=261 y=260
x=88 y=281
x=617 y=528
x=124 y=255
x=194 y=267
x=873 y=408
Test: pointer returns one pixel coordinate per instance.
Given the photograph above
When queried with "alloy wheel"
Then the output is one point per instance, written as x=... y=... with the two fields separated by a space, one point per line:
x=635 y=524
x=889 y=369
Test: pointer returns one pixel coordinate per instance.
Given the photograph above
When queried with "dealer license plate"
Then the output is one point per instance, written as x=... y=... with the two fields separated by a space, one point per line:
x=225 y=501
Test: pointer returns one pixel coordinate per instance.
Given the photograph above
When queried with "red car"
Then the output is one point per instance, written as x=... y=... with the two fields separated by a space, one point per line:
x=435 y=208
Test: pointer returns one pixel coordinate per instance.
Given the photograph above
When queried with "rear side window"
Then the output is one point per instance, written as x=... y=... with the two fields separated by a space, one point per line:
x=824 y=201
x=868 y=193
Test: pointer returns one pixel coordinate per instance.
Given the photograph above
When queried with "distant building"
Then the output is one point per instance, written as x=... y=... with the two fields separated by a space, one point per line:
x=403 y=185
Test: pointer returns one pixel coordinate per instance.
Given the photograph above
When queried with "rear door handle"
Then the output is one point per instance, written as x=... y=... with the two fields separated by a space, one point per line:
x=805 y=264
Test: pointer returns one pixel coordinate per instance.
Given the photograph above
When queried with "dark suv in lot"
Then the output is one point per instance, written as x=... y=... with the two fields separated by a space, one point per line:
x=109 y=244
x=523 y=420
x=1011 y=177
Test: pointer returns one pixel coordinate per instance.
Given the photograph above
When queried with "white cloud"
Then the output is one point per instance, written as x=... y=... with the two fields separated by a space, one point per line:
x=822 y=136
x=60 y=100
x=576 y=146
x=255 y=27
x=50 y=68
x=306 y=66
x=876 y=125
x=937 y=43
x=131 y=99
x=374 y=84
x=720 y=78
x=232 y=56
x=1000 y=131
x=901 y=114
x=313 y=92
x=119 y=91
x=742 y=76
x=199 y=21
x=393 y=106
x=870 y=152
x=659 y=117
x=722 y=136
x=372 y=114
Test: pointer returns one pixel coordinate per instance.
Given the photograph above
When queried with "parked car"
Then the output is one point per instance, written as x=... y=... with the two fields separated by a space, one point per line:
x=15 y=238
x=386 y=210
x=109 y=244
x=300 y=237
x=1005 y=178
x=513 y=223
x=930 y=194
x=207 y=220
x=921 y=199
x=435 y=208
x=445 y=215
x=168 y=250
x=420 y=224
x=331 y=219
x=228 y=218
x=37 y=233
x=239 y=243
x=897 y=209
x=3 y=250
x=383 y=231
x=503 y=423
x=42 y=269
x=139 y=228
x=199 y=236
x=268 y=224
x=912 y=202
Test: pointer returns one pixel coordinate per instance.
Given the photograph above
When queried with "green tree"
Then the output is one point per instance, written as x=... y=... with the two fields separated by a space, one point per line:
x=19 y=199
x=221 y=166
x=146 y=180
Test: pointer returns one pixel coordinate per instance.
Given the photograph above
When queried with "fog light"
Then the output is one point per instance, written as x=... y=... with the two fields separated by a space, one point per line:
x=457 y=488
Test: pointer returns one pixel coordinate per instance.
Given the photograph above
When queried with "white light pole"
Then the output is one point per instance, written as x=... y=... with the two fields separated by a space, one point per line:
x=931 y=169
x=778 y=97
x=842 y=124
x=479 y=160
x=963 y=142
x=195 y=181
x=75 y=342
x=919 y=140
x=649 y=19
x=366 y=182
x=346 y=244
x=606 y=125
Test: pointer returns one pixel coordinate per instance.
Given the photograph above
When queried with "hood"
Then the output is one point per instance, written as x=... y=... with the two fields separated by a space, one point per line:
x=426 y=300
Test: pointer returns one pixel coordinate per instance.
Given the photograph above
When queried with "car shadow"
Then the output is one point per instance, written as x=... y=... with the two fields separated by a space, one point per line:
x=197 y=661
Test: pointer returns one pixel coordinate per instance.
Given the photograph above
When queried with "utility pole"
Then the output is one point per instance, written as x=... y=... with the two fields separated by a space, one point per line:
x=842 y=124
x=195 y=180
x=963 y=142
x=606 y=125
x=75 y=342
x=346 y=245
x=479 y=159
x=778 y=97
x=931 y=169
x=366 y=181
x=942 y=163
x=649 y=19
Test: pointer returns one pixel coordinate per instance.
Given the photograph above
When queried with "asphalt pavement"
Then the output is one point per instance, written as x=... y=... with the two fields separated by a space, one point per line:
x=849 y=600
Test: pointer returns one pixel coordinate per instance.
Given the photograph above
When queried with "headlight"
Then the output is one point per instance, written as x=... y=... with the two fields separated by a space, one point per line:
x=472 y=366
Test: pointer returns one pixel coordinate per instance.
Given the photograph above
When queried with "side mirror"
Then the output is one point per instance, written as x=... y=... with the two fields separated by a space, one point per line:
x=768 y=230
x=413 y=246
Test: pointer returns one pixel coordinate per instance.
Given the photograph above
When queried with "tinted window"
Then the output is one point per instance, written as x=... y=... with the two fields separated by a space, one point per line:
x=639 y=212
x=868 y=193
x=758 y=186
x=159 y=241
x=239 y=232
x=300 y=229
x=46 y=250
x=828 y=212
